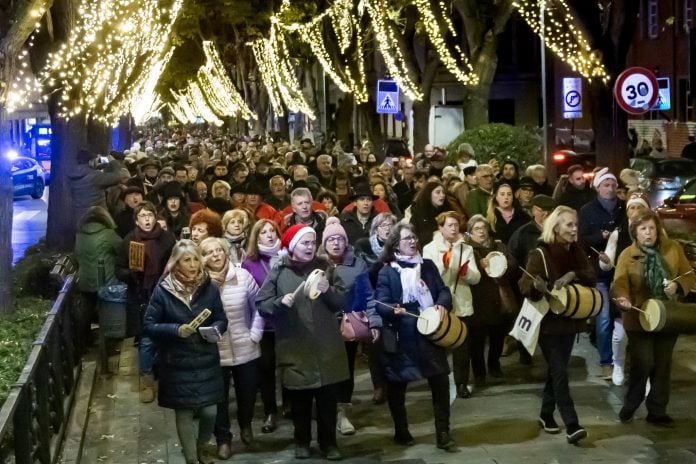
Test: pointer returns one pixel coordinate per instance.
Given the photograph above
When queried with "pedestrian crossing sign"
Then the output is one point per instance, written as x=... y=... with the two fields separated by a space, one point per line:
x=387 y=97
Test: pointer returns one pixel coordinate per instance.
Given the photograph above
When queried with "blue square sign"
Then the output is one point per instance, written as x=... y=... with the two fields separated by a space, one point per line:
x=387 y=97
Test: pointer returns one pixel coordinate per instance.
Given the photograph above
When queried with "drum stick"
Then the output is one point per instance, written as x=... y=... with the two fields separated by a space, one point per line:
x=298 y=290
x=532 y=277
x=680 y=276
x=598 y=253
x=392 y=307
x=634 y=307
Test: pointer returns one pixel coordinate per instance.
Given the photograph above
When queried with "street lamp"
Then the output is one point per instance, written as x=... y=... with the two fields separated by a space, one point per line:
x=544 y=120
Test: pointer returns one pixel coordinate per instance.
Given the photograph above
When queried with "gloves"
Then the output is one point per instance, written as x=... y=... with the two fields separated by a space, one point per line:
x=464 y=269
x=540 y=284
x=185 y=331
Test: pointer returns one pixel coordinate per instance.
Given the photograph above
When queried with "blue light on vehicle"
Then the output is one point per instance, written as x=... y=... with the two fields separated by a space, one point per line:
x=11 y=154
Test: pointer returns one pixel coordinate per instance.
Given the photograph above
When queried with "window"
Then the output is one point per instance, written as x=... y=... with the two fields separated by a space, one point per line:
x=688 y=13
x=652 y=26
x=688 y=194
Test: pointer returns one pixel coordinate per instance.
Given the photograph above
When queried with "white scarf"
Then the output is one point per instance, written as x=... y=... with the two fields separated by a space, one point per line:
x=412 y=286
x=270 y=250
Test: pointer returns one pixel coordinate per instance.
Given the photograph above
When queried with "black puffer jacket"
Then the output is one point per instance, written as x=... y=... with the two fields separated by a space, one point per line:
x=190 y=373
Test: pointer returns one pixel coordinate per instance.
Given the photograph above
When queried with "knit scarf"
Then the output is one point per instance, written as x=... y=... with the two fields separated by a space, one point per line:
x=654 y=272
x=236 y=246
x=412 y=286
x=218 y=277
x=376 y=245
x=269 y=250
x=153 y=255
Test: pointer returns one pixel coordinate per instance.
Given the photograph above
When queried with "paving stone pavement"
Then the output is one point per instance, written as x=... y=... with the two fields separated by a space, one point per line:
x=497 y=425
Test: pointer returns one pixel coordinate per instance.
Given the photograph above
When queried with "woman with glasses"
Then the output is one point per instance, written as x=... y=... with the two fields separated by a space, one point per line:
x=239 y=346
x=309 y=347
x=494 y=302
x=190 y=378
x=140 y=262
x=370 y=249
x=429 y=202
x=262 y=247
x=352 y=271
x=456 y=264
x=410 y=284
x=557 y=262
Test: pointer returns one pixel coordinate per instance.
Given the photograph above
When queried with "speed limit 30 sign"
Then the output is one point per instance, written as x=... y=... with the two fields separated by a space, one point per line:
x=636 y=90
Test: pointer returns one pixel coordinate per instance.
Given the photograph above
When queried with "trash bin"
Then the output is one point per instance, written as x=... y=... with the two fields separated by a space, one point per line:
x=112 y=310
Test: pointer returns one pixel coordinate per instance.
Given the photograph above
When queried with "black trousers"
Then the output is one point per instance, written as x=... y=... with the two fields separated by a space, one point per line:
x=267 y=374
x=478 y=334
x=651 y=358
x=556 y=349
x=439 y=390
x=245 y=378
x=301 y=402
x=344 y=390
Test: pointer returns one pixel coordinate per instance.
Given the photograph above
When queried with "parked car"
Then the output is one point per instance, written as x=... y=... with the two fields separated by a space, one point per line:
x=663 y=177
x=28 y=177
x=563 y=159
x=678 y=212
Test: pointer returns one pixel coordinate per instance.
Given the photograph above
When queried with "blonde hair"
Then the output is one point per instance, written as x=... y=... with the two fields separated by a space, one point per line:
x=215 y=241
x=236 y=213
x=181 y=249
x=548 y=233
x=219 y=183
x=493 y=203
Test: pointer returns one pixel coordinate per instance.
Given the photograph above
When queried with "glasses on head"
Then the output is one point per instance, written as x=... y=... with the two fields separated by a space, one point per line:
x=335 y=239
x=145 y=215
x=411 y=238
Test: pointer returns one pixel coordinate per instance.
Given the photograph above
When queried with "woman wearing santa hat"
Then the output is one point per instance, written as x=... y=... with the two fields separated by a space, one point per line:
x=309 y=348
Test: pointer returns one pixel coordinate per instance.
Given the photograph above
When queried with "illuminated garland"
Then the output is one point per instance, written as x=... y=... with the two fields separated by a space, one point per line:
x=260 y=48
x=109 y=56
x=146 y=102
x=437 y=39
x=222 y=95
x=387 y=42
x=180 y=114
x=563 y=38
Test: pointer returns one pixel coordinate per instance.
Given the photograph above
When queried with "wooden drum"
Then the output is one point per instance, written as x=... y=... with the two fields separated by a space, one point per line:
x=668 y=316
x=449 y=333
x=576 y=301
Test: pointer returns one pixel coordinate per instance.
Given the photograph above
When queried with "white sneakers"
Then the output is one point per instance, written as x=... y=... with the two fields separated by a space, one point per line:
x=617 y=377
x=343 y=424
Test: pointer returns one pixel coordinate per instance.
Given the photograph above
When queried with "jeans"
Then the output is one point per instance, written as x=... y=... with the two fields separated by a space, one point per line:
x=556 y=350
x=651 y=358
x=603 y=327
x=245 y=378
x=147 y=355
x=186 y=429
x=618 y=343
x=439 y=391
x=301 y=403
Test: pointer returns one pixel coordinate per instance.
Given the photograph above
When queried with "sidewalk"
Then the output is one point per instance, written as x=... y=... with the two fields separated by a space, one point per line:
x=497 y=425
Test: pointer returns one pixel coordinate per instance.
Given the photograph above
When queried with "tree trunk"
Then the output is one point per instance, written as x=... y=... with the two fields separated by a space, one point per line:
x=344 y=118
x=421 y=109
x=476 y=97
x=610 y=127
x=68 y=137
x=6 y=211
x=98 y=137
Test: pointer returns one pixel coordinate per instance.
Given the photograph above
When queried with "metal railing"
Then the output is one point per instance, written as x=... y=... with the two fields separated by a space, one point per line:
x=34 y=416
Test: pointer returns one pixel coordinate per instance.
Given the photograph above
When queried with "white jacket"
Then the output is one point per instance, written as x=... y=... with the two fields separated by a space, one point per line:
x=240 y=344
x=461 y=252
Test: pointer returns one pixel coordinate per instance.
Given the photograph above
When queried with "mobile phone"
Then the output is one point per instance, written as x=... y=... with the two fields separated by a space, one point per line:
x=103 y=160
x=185 y=233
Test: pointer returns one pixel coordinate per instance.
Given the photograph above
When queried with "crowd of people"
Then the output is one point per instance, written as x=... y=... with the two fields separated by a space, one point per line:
x=244 y=257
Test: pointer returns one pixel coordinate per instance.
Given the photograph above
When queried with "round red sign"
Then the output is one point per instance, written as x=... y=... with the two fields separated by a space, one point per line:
x=636 y=90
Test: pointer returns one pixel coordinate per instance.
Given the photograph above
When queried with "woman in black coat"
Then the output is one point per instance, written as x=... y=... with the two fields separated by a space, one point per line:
x=504 y=216
x=409 y=283
x=428 y=204
x=189 y=366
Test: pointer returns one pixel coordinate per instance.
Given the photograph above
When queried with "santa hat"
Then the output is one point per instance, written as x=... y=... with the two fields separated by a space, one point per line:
x=639 y=199
x=333 y=227
x=601 y=175
x=293 y=235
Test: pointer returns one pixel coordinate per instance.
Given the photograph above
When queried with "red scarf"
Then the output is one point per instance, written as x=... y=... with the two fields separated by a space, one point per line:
x=153 y=256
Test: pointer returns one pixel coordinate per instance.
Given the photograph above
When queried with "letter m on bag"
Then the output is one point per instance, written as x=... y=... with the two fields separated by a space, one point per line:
x=525 y=324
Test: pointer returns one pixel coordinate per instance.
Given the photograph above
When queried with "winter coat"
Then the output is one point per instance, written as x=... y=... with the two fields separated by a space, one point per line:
x=459 y=286
x=477 y=202
x=355 y=229
x=592 y=220
x=584 y=275
x=125 y=221
x=309 y=347
x=504 y=230
x=524 y=240
x=424 y=222
x=259 y=270
x=415 y=356
x=240 y=344
x=494 y=298
x=95 y=241
x=189 y=368
x=576 y=198
x=88 y=186
x=360 y=295
x=629 y=281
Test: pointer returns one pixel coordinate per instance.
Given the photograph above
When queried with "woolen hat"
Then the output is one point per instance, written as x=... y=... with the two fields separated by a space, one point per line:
x=171 y=189
x=640 y=199
x=293 y=235
x=601 y=175
x=333 y=227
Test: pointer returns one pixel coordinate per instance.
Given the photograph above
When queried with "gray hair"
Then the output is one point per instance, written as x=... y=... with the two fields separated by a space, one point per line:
x=379 y=219
x=475 y=219
x=215 y=241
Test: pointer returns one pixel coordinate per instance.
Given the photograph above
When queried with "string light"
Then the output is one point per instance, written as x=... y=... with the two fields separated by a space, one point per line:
x=430 y=22
x=388 y=44
x=146 y=102
x=109 y=56
x=563 y=37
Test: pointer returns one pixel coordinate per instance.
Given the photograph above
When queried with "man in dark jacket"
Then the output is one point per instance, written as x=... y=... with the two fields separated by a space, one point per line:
x=132 y=196
x=88 y=183
x=357 y=222
x=525 y=239
x=405 y=189
x=596 y=221
x=576 y=193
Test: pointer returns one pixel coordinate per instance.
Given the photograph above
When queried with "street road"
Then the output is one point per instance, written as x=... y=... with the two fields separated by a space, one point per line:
x=28 y=223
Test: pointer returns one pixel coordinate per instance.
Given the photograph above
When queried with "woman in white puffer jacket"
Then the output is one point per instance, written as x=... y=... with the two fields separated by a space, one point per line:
x=239 y=347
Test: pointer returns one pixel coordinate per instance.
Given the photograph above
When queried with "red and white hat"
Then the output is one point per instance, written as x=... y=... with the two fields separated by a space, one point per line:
x=638 y=199
x=293 y=234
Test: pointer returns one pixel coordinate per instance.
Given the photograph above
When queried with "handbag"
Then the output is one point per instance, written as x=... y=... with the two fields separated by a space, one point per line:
x=355 y=327
x=528 y=323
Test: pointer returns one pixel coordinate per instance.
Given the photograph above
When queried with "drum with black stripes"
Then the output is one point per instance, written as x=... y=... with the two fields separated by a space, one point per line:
x=576 y=301
x=450 y=332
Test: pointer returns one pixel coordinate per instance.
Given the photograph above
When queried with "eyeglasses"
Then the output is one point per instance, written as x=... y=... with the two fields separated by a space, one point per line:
x=385 y=225
x=412 y=238
x=478 y=229
x=145 y=215
x=335 y=239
